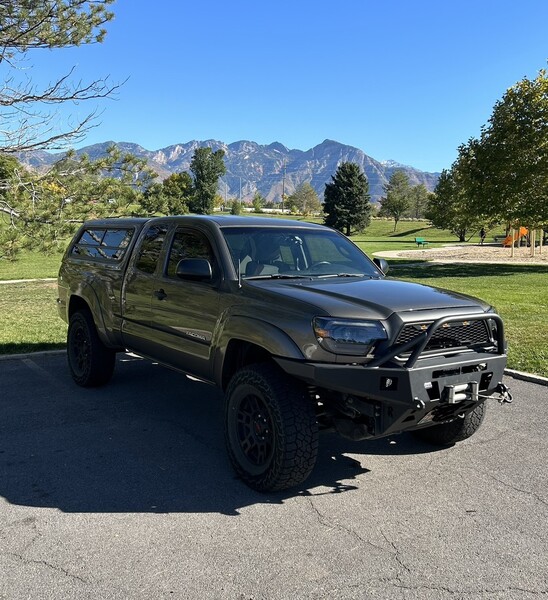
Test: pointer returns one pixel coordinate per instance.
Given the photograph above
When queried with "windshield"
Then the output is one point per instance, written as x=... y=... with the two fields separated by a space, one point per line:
x=264 y=252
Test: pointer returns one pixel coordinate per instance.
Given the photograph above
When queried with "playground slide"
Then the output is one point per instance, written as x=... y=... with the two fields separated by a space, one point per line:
x=508 y=241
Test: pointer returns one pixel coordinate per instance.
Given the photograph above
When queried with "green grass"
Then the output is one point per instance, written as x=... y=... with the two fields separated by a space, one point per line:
x=517 y=292
x=30 y=265
x=28 y=318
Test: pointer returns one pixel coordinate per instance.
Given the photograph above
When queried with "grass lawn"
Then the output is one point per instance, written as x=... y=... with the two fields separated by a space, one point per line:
x=519 y=293
x=28 y=318
x=31 y=265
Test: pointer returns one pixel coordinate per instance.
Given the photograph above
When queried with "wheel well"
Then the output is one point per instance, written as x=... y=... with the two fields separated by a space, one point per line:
x=239 y=354
x=76 y=303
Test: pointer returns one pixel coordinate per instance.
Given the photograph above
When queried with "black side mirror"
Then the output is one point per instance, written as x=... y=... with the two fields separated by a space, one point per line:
x=194 y=269
x=382 y=264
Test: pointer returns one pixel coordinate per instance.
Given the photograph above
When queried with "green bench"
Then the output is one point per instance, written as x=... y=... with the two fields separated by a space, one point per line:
x=421 y=241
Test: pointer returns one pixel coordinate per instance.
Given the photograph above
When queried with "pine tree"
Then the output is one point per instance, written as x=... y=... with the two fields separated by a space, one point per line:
x=347 y=204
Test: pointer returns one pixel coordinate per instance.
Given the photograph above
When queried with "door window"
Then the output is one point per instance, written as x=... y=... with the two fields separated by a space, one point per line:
x=189 y=244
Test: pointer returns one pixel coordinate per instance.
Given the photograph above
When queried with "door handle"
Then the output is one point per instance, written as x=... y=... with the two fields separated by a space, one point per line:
x=160 y=294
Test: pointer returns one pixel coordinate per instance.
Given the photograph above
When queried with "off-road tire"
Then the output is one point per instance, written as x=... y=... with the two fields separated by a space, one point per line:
x=91 y=363
x=447 y=434
x=270 y=428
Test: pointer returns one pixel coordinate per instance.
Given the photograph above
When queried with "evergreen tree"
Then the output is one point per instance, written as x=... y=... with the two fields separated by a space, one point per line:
x=40 y=210
x=346 y=199
x=27 y=113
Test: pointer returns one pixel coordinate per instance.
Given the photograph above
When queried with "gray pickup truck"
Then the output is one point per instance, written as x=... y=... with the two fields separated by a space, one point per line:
x=298 y=327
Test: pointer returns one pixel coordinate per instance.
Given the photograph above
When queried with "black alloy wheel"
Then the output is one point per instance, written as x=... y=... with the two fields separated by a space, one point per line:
x=270 y=428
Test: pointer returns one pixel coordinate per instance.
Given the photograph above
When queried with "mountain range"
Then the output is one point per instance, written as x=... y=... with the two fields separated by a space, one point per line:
x=269 y=169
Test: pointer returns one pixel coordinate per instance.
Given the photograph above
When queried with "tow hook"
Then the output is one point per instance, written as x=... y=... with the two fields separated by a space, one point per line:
x=505 y=397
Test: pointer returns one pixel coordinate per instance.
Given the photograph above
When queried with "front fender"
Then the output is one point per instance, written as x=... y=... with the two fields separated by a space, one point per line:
x=257 y=332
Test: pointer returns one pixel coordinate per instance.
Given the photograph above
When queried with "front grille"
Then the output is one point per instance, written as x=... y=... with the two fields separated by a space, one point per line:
x=461 y=334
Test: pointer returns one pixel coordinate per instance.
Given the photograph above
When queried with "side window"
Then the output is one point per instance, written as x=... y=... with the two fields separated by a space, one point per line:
x=106 y=244
x=150 y=249
x=189 y=244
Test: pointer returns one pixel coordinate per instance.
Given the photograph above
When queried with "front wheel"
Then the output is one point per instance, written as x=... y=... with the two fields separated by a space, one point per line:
x=91 y=363
x=447 y=434
x=270 y=428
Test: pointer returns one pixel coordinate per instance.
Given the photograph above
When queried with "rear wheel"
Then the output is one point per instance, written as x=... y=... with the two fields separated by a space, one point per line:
x=447 y=434
x=270 y=427
x=91 y=363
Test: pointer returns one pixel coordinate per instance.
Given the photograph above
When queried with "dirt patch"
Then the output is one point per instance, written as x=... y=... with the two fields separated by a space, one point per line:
x=474 y=253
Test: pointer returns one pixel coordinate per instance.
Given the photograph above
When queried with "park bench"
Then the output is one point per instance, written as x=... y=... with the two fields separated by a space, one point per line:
x=420 y=241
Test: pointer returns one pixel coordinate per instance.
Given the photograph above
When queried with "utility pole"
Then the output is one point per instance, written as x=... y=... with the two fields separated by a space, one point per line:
x=283 y=187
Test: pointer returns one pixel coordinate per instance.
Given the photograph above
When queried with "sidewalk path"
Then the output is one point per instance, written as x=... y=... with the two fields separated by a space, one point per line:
x=27 y=280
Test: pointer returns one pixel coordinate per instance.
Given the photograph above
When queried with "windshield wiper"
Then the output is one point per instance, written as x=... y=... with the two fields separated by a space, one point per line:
x=342 y=275
x=279 y=276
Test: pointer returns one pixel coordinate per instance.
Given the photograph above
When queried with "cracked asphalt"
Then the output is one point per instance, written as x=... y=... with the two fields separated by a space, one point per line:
x=125 y=492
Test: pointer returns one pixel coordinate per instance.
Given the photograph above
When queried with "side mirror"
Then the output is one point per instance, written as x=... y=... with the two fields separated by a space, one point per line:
x=382 y=264
x=194 y=269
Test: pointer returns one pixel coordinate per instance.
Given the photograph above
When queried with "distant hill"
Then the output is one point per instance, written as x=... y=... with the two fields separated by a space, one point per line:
x=260 y=168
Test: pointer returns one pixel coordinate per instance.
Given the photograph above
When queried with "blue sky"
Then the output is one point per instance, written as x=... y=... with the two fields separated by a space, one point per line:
x=402 y=80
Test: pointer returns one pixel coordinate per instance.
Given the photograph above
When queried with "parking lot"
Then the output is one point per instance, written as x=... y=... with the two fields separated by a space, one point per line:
x=125 y=492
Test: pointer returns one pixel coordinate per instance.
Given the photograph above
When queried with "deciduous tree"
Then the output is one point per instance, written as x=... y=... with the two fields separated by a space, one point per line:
x=514 y=146
x=171 y=197
x=418 y=201
x=206 y=166
x=258 y=202
x=397 y=198
x=305 y=199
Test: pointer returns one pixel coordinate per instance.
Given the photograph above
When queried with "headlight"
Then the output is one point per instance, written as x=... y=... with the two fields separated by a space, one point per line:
x=343 y=336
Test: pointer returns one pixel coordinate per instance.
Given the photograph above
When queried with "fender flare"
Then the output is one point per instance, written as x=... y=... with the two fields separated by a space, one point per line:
x=257 y=332
x=87 y=294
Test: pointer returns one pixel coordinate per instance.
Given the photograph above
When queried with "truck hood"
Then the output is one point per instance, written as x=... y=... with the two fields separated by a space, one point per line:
x=369 y=298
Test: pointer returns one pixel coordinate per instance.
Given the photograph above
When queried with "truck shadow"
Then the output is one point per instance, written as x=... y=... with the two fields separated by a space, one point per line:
x=151 y=441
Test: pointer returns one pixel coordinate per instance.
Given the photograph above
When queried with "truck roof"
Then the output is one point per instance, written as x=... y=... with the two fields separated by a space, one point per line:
x=244 y=221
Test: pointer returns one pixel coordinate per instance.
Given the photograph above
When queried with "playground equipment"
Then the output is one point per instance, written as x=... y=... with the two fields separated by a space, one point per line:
x=510 y=240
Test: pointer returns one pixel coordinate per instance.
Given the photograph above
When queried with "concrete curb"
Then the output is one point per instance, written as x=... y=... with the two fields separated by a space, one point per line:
x=526 y=377
x=530 y=377
x=31 y=354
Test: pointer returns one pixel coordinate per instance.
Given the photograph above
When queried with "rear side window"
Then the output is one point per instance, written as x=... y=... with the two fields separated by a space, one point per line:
x=103 y=244
x=150 y=249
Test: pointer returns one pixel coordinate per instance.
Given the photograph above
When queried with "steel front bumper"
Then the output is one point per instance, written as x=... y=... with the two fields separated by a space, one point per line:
x=393 y=399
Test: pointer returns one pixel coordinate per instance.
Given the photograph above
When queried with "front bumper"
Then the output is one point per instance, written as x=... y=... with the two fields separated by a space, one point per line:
x=391 y=399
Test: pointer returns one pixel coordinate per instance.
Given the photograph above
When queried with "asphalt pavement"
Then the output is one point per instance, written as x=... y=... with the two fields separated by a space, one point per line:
x=125 y=492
